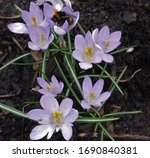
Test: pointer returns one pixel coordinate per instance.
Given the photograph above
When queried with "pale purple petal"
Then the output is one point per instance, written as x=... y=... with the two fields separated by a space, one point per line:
x=49 y=104
x=75 y=20
x=66 y=130
x=44 y=91
x=104 y=34
x=40 y=131
x=79 y=42
x=65 y=26
x=54 y=81
x=17 y=28
x=85 y=66
x=66 y=106
x=58 y=4
x=88 y=39
x=78 y=55
x=115 y=36
x=42 y=82
x=85 y=105
x=104 y=96
x=86 y=87
x=39 y=115
x=108 y=58
x=61 y=86
x=97 y=88
x=72 y=116
x=59 y=30
x=51 y=38
x=48 y=10
x=32 y=46
x=95 y=35
x=113 y=45
x=26 y=16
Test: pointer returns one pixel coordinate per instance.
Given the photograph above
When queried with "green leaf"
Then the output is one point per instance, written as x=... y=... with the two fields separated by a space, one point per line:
x=95 y=120
x=44 y=65
x=12 y=61
x=73 y=74
x=111 y=78
x=122 y=113
x=123 y=49
x=13 y=111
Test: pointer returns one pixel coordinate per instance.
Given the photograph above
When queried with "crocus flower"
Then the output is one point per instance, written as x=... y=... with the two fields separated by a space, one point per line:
x=53 y=88
x=107 y=41
x=92 y=94
x=40 y=38
x=63 y=19
x=86 y=52
x=33 y=18
x=53 y=118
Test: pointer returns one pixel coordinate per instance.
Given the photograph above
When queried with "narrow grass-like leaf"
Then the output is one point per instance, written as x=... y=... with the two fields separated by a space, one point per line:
x=44 y=65
x=73 y=74
x=66 y=81
x=81 y=28
x=111 y=78
x=123 y=49
x=13 y=110
x=122 y=113
x=14 y=60
x=96 y=120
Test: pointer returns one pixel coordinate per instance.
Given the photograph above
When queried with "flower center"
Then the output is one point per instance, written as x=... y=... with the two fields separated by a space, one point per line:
x=92 y=97
x=107 y=43
x=89 y=52
x=56 y=14
x=42 y=42
x=57 y=115
x=51 y=89
x=34 y=21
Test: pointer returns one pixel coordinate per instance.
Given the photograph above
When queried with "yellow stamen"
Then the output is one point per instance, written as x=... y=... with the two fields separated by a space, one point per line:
x=42 y=37
x=89 y=52
x=34 y=21
x=56 y=14
x=57 y=115
x=42 y=41
x=51 y=89
x=107 y=43
x=92 y=97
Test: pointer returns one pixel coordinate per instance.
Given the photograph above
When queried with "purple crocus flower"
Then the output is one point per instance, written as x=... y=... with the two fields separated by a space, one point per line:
x=40 y=38
x=53 y=88
x=53 y=118
x=86 y=52
x=63 y=19
x=33 y=18
x=107 y=41
x=92 y=94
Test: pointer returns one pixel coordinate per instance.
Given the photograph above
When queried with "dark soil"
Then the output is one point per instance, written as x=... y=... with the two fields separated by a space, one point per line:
x=132 y=17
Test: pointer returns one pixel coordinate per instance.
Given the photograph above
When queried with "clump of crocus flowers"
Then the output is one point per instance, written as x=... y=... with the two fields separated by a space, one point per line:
x=90 y=49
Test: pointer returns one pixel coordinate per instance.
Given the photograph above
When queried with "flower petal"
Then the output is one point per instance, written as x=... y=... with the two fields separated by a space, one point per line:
x=86 y=87
x=85 y=105
x=32 y=46
x=49 y=104
x=66 y=130
x=40 y=131
x=79 y=42
x=78 y=55
x=66 y=106
x=59 y=30
x=113 y=45
x=54 y=81
x=103 y=34
x=39 y=115
x=104 y=96
x=85 y=66
x=72 y=116
x=115 y=36
x=108 y=58
x=42 y=82
x=17 y=28
x=97 y=88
